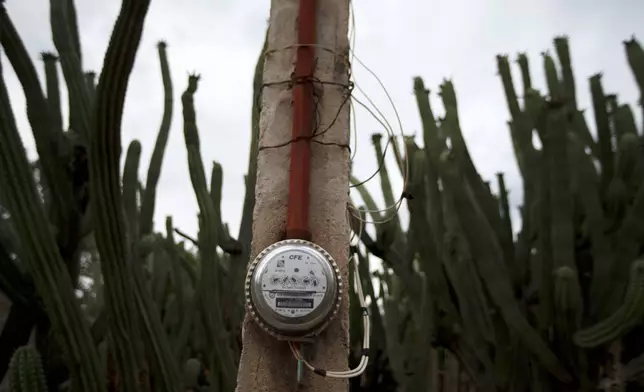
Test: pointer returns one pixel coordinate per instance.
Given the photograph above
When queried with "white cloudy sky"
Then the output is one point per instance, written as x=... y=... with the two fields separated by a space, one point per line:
x=435 y=39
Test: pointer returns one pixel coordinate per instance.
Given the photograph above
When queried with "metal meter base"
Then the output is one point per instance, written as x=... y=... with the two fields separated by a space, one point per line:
x=293 y=289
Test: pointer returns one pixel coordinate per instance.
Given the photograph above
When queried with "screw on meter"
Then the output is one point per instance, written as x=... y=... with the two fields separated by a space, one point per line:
x=293 y=289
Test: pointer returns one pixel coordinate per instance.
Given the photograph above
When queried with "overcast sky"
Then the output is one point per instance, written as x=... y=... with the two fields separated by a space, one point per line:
x=434 y=39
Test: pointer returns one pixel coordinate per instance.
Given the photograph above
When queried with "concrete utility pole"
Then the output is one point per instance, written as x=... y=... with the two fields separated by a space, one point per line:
x=266 y=363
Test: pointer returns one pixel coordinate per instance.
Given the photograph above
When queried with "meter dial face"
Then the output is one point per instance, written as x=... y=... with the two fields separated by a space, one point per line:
x=293 y=283
x=293 y=288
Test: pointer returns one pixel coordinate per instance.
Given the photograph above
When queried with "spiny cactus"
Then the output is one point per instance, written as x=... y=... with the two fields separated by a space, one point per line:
x=40 y=251
x=26 y=372
x=460 y=303
x=629 y=314
x=148 y=308
x=507 y=308
x=105 y=193
x=154 y=170
x=210 y=291
x=191 y=371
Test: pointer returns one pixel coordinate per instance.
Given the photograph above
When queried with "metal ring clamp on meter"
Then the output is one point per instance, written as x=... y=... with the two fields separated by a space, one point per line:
x=293 y=289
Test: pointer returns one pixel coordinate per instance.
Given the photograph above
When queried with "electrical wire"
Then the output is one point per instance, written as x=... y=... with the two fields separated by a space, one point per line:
x=391 y=211
x=404 y=163
x=352 y=45
x=364 y=360
x=382 y=119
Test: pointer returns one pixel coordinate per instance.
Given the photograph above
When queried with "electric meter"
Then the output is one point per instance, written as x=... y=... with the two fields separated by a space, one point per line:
x=293 y=289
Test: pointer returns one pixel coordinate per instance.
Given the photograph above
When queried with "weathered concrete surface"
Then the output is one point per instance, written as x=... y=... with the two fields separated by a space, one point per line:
x=267 y=364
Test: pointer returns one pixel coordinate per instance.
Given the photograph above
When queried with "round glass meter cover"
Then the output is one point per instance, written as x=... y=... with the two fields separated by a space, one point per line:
x=293 y=283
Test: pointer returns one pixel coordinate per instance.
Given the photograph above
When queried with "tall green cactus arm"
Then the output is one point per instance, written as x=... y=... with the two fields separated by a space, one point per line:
x=603 y=256
x=568 y=79
x=563 y=235
x=225 y=241
x=193 y=145
x=628 y=243
x=581 y=128
x=390 y=255
x=399 y=156
x=603 y=130
x=165 y=369
x=191 y=371
x=503 y=66
x=177 y=277
x=160 y=276
x=38 y=116
x=492 y=269
x=70 y=11
x=130 y=182
x=629 y=314
x=105 y=191
x=372 y=207
x=26 y=372
x=611 y=109
x=389 y=232
x=504 y=205
x=630 y=161
x=635 y=56
x=520 y=126
x=568 y=309
x=488 y=204
x=431 y=263
x=40 y=253
x=624 y=120
x=53 y=91
x=63 y=22
x=567 y=297
x=385 y=183
x=544 y=245
x=555 y=86
x=434 y=143
x=569 y=90
x=524 y=66
x=460 y=266
x=156 y=162
x=434 y=146
x=90 y=80
x=209 y=291
x=518 y=269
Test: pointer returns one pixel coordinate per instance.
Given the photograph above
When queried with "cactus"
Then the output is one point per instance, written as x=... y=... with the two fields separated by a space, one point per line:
x=629 y=314
x=26 y=373
x=67 y=229
x=210 y=291
x=461 y=302
x=105 y=191
x=154 y=170
x=46 y=265
x=191 y=371
x=508 y=308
